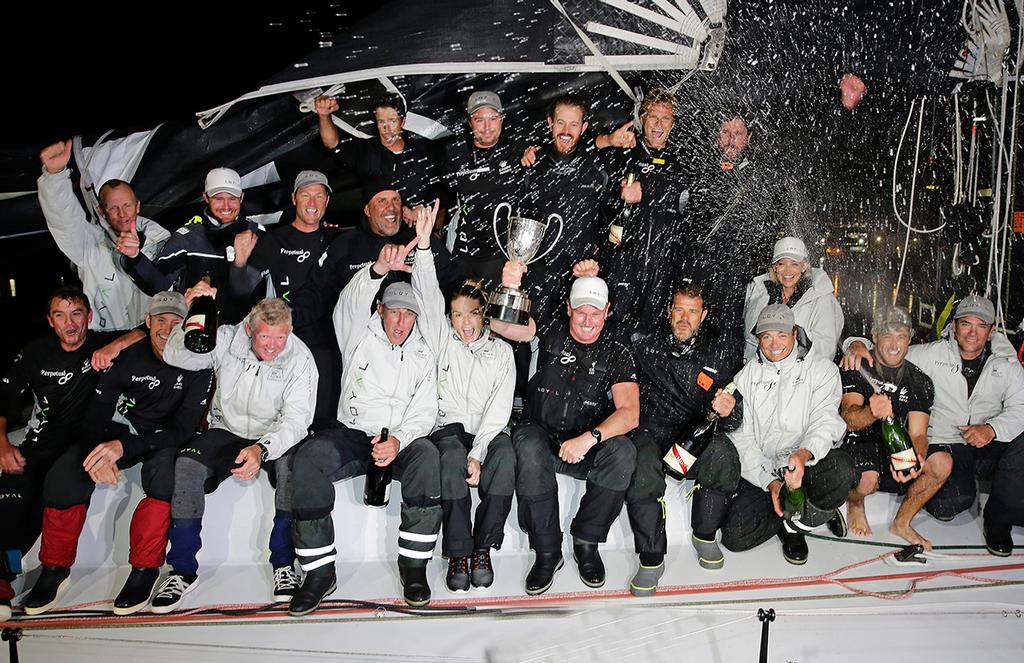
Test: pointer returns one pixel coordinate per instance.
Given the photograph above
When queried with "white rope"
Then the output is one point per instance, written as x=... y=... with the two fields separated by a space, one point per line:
x=913 y=189
x=597 y=53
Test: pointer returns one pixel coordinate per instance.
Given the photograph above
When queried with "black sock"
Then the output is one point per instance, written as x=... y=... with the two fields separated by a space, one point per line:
x=651 y=558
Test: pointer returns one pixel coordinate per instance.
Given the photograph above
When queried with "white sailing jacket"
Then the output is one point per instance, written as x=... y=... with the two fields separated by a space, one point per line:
x=117 y=303
x=267 y=401
x=787 y=406
x=817 y=311
x=382 y=384
x=997 y=398
x=476 y=381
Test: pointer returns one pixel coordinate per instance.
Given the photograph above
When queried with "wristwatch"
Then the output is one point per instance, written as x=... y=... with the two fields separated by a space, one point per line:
x=264 y=452
x=597 y=435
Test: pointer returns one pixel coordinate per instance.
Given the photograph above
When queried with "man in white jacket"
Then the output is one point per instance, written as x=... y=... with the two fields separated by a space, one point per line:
x=117 y=302
x=977 y=417
x=262 y=406
x=783 y=447
x=387 y=383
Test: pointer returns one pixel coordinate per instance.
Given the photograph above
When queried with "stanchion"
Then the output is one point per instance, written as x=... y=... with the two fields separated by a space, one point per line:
x=766 y=617
x=12 y=635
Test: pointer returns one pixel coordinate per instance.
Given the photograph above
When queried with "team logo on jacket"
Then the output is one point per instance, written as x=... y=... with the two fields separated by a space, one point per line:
x=952 y=366
x=704 y=381
x=86 y=366
x=178 y=383
x=63 y=377
x=567 y=359
x=152 y=380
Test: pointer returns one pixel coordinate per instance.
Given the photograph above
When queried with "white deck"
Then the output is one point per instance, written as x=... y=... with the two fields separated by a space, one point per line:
x=947 y=619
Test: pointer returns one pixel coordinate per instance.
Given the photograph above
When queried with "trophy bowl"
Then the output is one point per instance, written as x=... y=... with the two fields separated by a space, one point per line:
x=524 y=237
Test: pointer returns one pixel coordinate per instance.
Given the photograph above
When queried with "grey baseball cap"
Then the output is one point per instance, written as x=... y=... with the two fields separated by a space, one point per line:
x=399 y=295
x=775 y=317
x=168 y=302
x=483 y=99
x=977 y=306
x=307 y=177
x=889 y=319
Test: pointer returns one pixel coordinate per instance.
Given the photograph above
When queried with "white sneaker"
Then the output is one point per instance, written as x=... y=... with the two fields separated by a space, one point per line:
x=171 y=592
x=286 y=583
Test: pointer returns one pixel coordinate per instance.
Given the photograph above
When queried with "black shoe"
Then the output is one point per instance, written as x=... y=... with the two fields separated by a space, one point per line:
x=482 y=574
x=458 y=574
x=540 y=577
x=315 y=586
x=794 y=547
x=136 y=591
x=286 y=583
x=415 y=589
x=999 y=540
x=837 y=525
x=172 y=592
x=589 y=563
x=51 y=584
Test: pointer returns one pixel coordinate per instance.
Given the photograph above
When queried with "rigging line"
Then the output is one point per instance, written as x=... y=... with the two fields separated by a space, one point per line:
x=290 y=651
x=910 y=213
x=511 y=613
x=887 y=544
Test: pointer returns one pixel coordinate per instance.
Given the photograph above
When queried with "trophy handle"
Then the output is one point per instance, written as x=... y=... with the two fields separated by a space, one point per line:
x=561 y=226
x=494 y=225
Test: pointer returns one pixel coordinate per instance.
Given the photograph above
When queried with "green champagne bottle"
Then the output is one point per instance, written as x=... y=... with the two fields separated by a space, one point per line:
x=902 y=456
x=792 y=502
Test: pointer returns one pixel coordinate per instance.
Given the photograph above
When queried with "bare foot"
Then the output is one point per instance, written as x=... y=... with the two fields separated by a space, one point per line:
x=856 y=519
x=905 y=531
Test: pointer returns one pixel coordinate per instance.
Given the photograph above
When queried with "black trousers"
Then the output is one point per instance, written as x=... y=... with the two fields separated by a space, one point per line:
x=744 y=512
x=1002 y=463
x=497 y=484
x=21 y=506
x=645 y=496
x=339 y=453
x=68 y=484
x=21 y=495
x=607 y=469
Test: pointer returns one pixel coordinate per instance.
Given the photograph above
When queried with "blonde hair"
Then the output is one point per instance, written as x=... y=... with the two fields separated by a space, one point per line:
x=805 y=264
x=272 y=311
x=660 y=95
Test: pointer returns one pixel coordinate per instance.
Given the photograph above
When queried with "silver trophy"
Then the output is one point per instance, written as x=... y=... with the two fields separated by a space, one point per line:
x=524 y=239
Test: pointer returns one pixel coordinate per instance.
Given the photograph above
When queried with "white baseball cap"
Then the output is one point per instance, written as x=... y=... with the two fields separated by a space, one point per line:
x=223 y=180
x=789 y=247
x=588 y=290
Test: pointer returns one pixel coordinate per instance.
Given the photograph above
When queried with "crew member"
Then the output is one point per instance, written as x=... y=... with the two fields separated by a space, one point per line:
x=897 y=389
x=59 y=373
x=977 y=418
x=567 y=181
x=262 y=406
x=482 y=171
x=639 y=260
x=476 y=380
x=388 y=382
x=571 y=425
x=143 y=411
x=117 y=302
x=394 y=155
x=790 y=422
x=282 y=260
x=204 y=246
x=807 y=290
x=681 y=374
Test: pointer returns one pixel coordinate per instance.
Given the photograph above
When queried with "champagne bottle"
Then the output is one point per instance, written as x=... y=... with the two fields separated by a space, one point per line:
x=618 y=225
x=377 y=492
x=683 y=454
x=201 y=324
x=792 y=502
x=902 y=456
